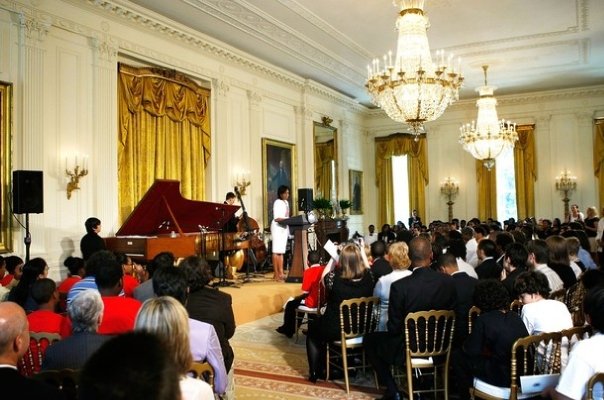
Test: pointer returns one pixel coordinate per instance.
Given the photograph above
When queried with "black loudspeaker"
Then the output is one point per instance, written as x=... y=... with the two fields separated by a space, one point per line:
x=305 y=199
x=28 y=192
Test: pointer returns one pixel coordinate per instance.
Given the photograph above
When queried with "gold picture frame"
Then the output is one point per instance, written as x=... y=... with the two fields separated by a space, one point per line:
x=356 y=191
x=278 y=168
x=6 y=121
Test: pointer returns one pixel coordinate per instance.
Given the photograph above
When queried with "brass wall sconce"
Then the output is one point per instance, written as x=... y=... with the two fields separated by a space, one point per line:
x=566 y=183
x=75 y=173
x=450 y=188
x=242 y=181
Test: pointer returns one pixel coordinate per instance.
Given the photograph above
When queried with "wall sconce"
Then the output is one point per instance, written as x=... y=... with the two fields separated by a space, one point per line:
x=242 y=181
x=75 y=172
x=566 y=183
x=450 y=188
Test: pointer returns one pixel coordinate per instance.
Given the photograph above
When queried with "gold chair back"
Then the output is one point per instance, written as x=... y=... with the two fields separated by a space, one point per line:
x=516 y=306
x=472 y=315
x=31 y=362
x=203 y=371
x=597 y=378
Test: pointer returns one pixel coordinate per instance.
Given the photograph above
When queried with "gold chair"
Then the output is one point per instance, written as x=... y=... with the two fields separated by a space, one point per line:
x=531 y=355
x=357 y=317
x=559 y=295
x=203 y=371
x=516 y=306
x=574 y=303
x=66 y=380
x=597 y=378
x=31 y=362
x=472 y=315
x=428 y=338
x=568 y=338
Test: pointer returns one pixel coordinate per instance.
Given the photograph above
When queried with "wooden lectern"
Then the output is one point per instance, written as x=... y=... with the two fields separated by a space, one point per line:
x=299 y=225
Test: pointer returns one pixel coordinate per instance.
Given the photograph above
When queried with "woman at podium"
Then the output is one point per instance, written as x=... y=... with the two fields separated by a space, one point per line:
x=280 y=233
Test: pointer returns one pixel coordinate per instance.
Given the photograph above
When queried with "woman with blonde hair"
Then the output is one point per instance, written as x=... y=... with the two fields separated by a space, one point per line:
x=350 y=280
x=398 y=254
x=167 y=318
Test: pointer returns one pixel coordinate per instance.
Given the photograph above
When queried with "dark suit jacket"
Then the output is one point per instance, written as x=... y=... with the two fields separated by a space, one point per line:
x=90 y=244
x=508 y=282
x=73 y=351
x=464 y=289
x=489 y=269
x=216 y=308
x=380 y=267
x=16 y=386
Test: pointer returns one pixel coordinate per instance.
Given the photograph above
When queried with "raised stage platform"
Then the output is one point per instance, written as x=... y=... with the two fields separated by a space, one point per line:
x=260 y=297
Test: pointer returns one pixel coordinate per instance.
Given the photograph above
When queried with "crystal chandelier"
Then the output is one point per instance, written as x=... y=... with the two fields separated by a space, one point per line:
x=487 y=137
x=409 y=86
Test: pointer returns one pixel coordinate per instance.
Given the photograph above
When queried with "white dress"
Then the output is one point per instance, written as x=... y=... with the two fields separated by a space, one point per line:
x=279 y=233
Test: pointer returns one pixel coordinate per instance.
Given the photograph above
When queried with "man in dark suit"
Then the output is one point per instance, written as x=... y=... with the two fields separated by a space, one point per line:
x=487 y=253
x=464 y=289
x=380 y=266
x=515 y=261
x=85 y=312
x=14 y=342
x=207 y=304
x=424 y=290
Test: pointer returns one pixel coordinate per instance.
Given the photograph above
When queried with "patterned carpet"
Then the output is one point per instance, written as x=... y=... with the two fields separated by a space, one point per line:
x=271 y=366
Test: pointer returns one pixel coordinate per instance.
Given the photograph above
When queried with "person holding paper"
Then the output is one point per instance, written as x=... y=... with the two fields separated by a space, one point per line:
x=280 y=233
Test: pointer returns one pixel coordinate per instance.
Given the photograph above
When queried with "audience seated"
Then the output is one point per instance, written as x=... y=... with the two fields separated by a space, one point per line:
x=309 y=297
x=45 y=319
x=457 y=247
x=398 y=252
x=586 y=355
x=14 y=271
x=424 y=290
x=119 y=312
x=380 y=265
x=34 y=269
x=573 y=245
x=130 y=282
x=76 y=271
x=168 y=319
x=464 y=290
x=133 y=366
x=583 y=253
x=538 y=258
x=144 y=291
x=203 y=340
x=352 y=279
x=515 y=262
x=86 y=313
x=14 y=342
x=486 y=353
x=559 y=260
x=210 y=305
x=87 y=282
x=487 y=267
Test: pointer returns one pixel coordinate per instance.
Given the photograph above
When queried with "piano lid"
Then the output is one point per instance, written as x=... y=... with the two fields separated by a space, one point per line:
x=163 y=209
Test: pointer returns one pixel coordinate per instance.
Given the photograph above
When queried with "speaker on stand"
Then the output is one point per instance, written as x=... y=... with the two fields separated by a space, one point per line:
x=28 y=198
x=305 y=200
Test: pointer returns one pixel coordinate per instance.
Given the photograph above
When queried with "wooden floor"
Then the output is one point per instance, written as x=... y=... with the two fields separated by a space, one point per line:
x=260 y=297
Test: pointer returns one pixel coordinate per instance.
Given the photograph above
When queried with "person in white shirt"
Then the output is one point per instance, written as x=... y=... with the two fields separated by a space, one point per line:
x=371 y=236
x=586 y=355
x=458 y=249
x=538 y=257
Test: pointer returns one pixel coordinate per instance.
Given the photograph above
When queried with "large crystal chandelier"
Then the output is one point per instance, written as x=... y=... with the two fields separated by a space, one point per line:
x=409 y=86
x=487 y=137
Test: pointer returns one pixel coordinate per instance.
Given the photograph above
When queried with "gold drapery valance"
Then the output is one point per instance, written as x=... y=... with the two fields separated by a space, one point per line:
x=417 y=168
x=164 y=133
x=599 y=158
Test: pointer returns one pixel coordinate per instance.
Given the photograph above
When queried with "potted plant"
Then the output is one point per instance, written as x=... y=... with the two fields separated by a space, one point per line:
x=323 y=207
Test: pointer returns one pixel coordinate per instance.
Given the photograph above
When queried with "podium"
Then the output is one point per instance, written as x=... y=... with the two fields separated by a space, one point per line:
x=299 y=226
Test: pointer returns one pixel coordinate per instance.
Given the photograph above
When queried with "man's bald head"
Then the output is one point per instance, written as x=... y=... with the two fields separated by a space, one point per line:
x=420 y=251
x=13 y=324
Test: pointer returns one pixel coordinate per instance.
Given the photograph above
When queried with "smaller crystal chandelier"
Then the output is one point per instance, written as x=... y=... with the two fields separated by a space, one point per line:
x=409 y=86
x=487 y=137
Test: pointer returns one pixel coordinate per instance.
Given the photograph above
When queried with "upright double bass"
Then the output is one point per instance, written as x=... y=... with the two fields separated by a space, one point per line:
x=251 y=228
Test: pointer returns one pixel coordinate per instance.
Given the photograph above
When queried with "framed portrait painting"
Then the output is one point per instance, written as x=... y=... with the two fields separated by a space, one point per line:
x=278 y=168
x=356 y=192
x=6 y=105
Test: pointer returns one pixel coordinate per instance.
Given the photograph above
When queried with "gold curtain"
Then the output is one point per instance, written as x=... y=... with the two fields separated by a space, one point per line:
x=324 y=154
x=525 y=170
x=164 y=133
x=487 y=191
x=599 y=158
x=417 y=168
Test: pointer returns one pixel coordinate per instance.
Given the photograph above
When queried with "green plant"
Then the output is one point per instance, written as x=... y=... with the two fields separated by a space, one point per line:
x=345 y=204
x=322 y=205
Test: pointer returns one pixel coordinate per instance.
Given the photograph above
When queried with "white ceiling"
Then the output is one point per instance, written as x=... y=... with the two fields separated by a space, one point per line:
x=529 y=45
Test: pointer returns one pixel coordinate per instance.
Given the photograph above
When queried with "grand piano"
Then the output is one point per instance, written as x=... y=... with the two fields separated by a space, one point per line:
x=165 y=221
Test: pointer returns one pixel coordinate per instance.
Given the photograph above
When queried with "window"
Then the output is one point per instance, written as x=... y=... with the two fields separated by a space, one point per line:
x=400 y=187
x=506 y=186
